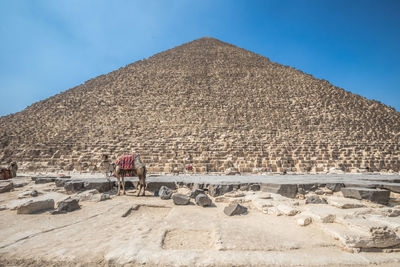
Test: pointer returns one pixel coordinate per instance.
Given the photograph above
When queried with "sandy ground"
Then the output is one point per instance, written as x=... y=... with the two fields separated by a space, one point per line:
x=159 y=233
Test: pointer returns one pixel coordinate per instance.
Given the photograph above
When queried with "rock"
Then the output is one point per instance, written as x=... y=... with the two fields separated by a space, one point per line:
x=6 y=187
x=218 y=190
x=34 y=193
x=287 y=210
x=335 y=187
x=164 y=192
x=203 y=200
x=92 y=195
x=154 y=186
x=375 y=195
x=196 y=192
x=315 y=200
x=264 y=195
x=321 y=215
x=100 y=184
x=287 y=190
x=235 y=194
x=60 y=182
x=44 y=180
x=344 y=203
x=73 y=186
x=33 y=206
x=262 y=204
x=221 y=199
x=180 y=199
x=67 y=205
x=304 y=220
x=235 y=209
x=255 y=187
x=184 y=191
x=19 y=184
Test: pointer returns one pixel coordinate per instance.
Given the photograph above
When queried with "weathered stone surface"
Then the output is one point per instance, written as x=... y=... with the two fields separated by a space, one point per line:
x=196 y=192
x=154 y=186
x=262 y=204
x=34 y=206
x=287 y=190
x=321 y=215
x=73 y=186
x=218 y=190
x=335 y=187
x=235 y=194
x=164 y=192
x=375 y=195
x=315 y=200
x=287 y=210
x=44 y=180
x=235 y=209
x=6 y=186
x=203 y=200
x=67 y=205
x=345 y=203
x=60 y=182
x=255 y=187
x=100 y=184
x=92 y=195
x=180 y=199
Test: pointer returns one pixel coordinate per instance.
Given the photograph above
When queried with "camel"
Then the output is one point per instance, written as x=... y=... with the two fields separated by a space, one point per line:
x=10 y=172
x=139 y=170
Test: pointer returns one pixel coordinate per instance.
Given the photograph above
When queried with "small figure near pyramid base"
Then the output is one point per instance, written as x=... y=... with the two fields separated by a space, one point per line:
x=9 y=172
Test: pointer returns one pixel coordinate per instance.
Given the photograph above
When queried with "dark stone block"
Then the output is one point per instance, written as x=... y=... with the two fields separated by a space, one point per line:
x=180 y=199
x=67 y=205
x=60 y=182
x=218 y=190
x=164 y=192
x=203 y=200
x=154 y=186
x=255 y=187
x=100 y=184
x=196 y=192
x=316 y=200
x=375 y=195
x=44 y=180
x=335 y=187
x=286 y=190
x=235 y=209
x=73 y=186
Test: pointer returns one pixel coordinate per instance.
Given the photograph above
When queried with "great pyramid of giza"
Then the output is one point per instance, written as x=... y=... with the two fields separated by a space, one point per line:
x=210 y=105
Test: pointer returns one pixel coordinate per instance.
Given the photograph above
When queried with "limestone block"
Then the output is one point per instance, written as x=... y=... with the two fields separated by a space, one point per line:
x=375 y=195
x=287 y=190
x=33 y=206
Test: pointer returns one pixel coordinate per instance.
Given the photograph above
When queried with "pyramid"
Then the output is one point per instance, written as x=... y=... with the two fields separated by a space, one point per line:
x=210 y=105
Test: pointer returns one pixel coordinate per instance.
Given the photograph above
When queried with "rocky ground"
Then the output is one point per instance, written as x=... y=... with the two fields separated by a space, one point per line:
x=201 y=221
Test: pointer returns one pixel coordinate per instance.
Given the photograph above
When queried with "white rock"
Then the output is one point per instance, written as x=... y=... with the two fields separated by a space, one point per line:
x=304 y=221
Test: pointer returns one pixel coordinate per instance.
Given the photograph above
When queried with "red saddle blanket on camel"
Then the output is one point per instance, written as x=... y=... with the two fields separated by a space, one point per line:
x=126 y=162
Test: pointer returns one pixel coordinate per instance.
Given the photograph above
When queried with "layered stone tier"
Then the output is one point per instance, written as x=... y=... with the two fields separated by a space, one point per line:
x=209 y=105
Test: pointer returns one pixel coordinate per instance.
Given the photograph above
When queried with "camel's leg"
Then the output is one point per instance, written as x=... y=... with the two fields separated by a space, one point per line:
x=118 y=185
x=139 y=188
x=123 y=184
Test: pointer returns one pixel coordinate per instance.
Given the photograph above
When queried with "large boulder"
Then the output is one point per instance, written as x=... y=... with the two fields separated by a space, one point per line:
x=67 y=205
x=73 y=186
x=6 y=186
x=100 y=184
x=219 y=190
x=375 y=195
x=286 y=190
x=164 y=192
x=235 y=209
x=33 y=206
x=180 y=199
x=92 y=195
x=203 y=200
x=196 y=192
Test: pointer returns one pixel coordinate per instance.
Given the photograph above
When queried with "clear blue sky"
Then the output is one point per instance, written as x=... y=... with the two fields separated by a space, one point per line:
x=50 y=46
